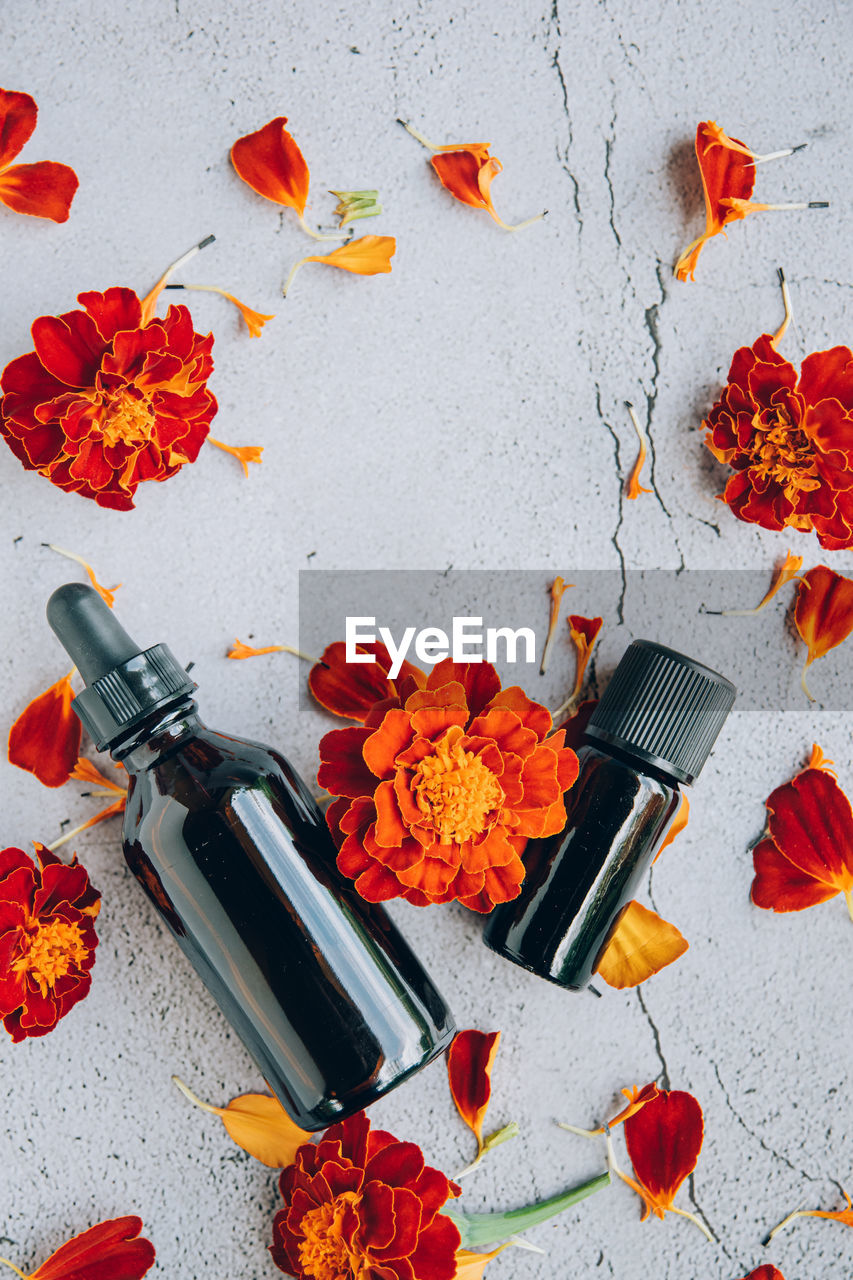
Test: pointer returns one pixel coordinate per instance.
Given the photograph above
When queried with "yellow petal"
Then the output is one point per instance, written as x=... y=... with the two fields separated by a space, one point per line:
x=640 y=944
x=260 y=1125
x=679 y=822
x=470 y=1266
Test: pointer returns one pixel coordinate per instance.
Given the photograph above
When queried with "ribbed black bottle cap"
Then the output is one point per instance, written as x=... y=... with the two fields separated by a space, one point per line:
x=663 y=707
x=124 y=684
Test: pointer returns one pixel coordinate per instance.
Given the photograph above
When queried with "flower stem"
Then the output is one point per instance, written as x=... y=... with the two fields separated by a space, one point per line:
x=789 y=312
x=478 y=1229
x=779 y=155
x=150 y=299
x=419 y=137
x=683 y=1213
x=848 y=898
x=196 y=1101
x=582 y=1133
x=519 y=226
x=780 y=1225
x=805 y=687
x=293 y=270
x=6 y=1263
x=316 y=235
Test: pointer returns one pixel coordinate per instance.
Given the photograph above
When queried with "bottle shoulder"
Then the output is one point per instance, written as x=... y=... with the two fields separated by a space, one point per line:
x=610 y=768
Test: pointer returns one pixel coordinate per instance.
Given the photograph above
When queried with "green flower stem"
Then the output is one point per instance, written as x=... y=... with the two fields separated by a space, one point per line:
x=480 y=1229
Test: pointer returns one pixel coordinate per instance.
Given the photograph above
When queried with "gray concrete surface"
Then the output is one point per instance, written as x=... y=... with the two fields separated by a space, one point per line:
x=466 y=409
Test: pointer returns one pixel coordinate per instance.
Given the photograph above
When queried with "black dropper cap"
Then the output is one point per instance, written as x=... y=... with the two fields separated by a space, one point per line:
x=124 y=684
x=664 y=708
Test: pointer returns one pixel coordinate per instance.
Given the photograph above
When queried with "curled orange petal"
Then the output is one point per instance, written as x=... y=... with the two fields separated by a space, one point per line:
x=270 y=161
x=258 y=1123
x=471 y=1266
x=45 y=738
x=844 y=1216
x=823 y=613
x=637 y=1098
x=818 y=760
x=467 y=173
x=107 y=594
x=244 y=454
x=584 y=633
x=85 y=771
x=557 y=590
x=366 y=256
x=633 y=488
x=677 y=825
x=469 y=1070
x=785 y=573
x=640 y=944
x=727 y=169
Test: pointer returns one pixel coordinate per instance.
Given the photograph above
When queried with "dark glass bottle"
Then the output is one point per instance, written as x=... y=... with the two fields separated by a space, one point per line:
x=653 y=729
x=229 y=845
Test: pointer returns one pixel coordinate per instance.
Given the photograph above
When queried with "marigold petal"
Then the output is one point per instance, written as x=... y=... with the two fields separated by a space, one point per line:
x=824 y=610
x=471 y=1265
x=664 y=1139
x=533 y=715
x=343 y=771
x=811 y=823
x=727 y=170
x=479 y=680
x=43 y=190
x=678 y=824
x=18 y=115
x=270 y=161
x=459 y=173
x=470 y=1059
x=45 y=738
x=111 y=1249
x=639 y=945
x=780 y=886
x=384 y=745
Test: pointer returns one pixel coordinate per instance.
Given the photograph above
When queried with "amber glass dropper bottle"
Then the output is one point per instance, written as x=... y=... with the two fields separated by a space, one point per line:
x=230 y=847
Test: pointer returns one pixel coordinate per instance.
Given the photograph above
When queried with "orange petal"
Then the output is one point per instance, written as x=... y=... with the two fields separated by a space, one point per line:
x=633 y=488
x=637 y=1098
x=243 y=453
x=45 y=738
x=584 y=633
x=366 y=256
x=817 y=760
x=240 y=650
x=272 y=164
x=258 y=1123
x=824 y=610
x=459 y=172
x=471 y=1266
x=640 y=944
x=85 y=771
x=469 y=1069
x=727 y=169
x=557 y=590
x=679 y=822
x=43 y=190
x=107 y=594
x=255 y=320
x=18 y=115
x=110 y=1249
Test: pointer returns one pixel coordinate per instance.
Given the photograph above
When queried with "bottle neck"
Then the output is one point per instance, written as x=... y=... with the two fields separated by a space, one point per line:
x=635 y=762
x=157 y=736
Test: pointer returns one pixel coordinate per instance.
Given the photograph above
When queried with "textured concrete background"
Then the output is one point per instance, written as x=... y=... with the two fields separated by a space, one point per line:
x=466 y=409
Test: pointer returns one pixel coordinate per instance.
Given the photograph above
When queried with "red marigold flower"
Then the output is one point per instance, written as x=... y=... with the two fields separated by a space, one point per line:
x=664 y=1138
x=112 y=1250
x=44 y=190
x=823 y=613
x=47 y=940
x=361 y=1204
x=45 y=738
x=440 y=792
x=110 y=397
x=807 y=855
x=789 y=439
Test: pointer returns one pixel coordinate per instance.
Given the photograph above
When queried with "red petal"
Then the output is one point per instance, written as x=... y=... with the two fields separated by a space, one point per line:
x=113 y=311
x=726 y=173
x=18 y=115
x=824 y=610
x=435 y=1256
x=480 y=681
x=765 y=1272
x=780 y=886
x=664 y=1140
x=45 y=738
x=272 y=164
x=811 y=823
x=111 y=1250
x=531 y=714
x=44 y=190
x=342 y=770
x=827 y=375
x=539 y=779
x=459 y=172
x=69 y=346
x=382 y=747
x=469 y=1069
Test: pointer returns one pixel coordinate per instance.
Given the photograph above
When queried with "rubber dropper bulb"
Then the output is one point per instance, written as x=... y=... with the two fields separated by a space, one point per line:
x=89 y=631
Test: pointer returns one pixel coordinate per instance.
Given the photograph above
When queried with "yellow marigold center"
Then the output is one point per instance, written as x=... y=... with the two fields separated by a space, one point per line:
x=50 y=952
x=323 y=1252
x=456 y=790
x=125 y=417
x=784 y=454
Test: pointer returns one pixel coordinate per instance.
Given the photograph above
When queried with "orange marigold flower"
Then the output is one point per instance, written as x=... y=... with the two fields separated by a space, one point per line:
x=112 y=1250
x=47 y=940
x=664 y=1139
x=439 y=794
x=727 y=168
x=789 y=439
x=823 y=613
x=353 y=689
x=806 y=856
x=44 y=190
x=361 y=1203
x=367 y=256
x=109 y=398
x=45 y=738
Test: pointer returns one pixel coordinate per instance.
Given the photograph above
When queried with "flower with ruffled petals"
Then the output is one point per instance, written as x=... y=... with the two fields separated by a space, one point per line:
x=45 y=189
x=440 y=793
x=47 y=940
x=110 y=397
x=361 y=1205
x=789 y=439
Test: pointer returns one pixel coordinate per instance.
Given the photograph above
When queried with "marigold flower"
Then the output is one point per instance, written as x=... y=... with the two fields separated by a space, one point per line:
x=44 y=190
x=807 y=855
x=353 y=689
x=258 y=1123
x=789 y=440
x=823 y=613
x=112 y=1250
x=361 y=1203
x=440 y=793
x=467 y=171
x=109 y=399
x=367 y=256
x=47 y=940
x=664 y=1139
x=640 y=944
x=45 y=738
x=727 y=169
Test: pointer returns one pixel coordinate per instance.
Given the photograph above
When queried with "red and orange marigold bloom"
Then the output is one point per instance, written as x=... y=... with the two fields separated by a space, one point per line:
x=47 y=940
x=110 y=397
x=439 y=793
x=361 y=1205
x=789 y=439
x=45 y=189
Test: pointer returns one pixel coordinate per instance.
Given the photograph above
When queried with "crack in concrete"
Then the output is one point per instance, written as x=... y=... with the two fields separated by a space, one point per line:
x=563 y=154
x=614 y=537
x=651 y=316
x=609 y=142
x=663 y=1074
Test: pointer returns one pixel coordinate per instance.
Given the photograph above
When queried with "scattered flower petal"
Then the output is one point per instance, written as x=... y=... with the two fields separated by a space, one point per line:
x=664 y=1139
x=844 y=1216
x=258 y=1123
x=47 y=940
x=352 y=689
x=633 y=488
x=584 y=633
x=360 y=1202
x=557 y=590
x=807 y=855
x=640 y=945
x=45 y=738
x=43 y=190
x=470 y=1059
x=272 y=164
x=107 y=594
x=637 y=1098
x=785 y=573
x=243 y=453
x=766 y=1272
x=823 y=613
x=255 y=320
x=366 y=256
x=354 y=205
x=472 y=1266
x=677 y=825
x=112 y=1250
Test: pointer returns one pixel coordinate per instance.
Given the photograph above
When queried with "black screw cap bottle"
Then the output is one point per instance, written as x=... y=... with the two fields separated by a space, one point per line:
x=230 y=847
x=653 y=729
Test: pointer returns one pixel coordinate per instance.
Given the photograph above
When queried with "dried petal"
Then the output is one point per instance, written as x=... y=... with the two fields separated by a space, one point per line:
x=557 y=590
x=824 y=612
x=366 y=256
x=255 y=320
x=107 y=594
x=640 y=945
x=244 y=454
x=633 y=488
x=727 y=168
x=470 y=1059
x=45 y=738
x=259 y=1124
x=785 y=573
x=272 y=164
